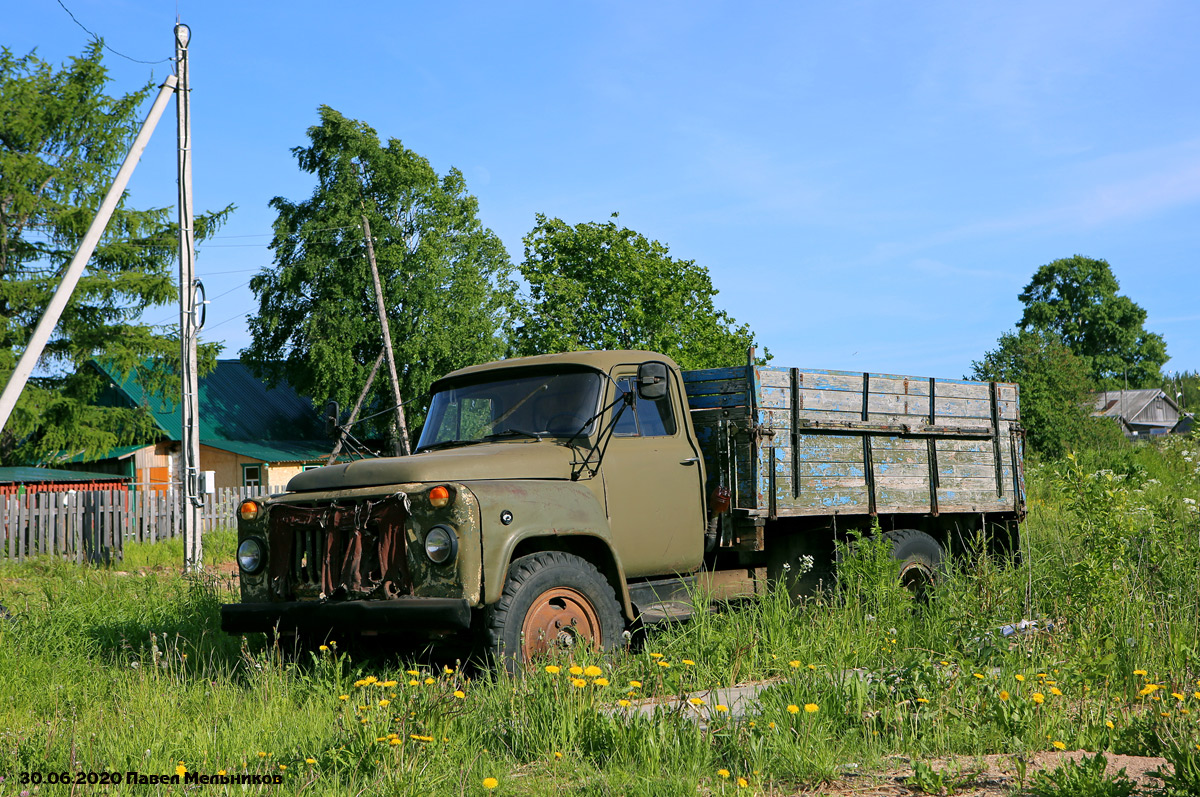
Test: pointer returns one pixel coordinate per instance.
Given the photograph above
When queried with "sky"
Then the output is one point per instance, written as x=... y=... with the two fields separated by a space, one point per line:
x=869 y=184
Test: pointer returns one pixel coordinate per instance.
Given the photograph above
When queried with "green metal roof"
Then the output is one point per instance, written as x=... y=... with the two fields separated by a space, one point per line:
x=28 y=475
x=275 y=450
x=120 y=452
x=239 y=412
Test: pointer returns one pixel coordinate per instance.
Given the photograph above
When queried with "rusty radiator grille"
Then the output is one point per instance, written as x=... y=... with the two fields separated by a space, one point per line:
x=306 y=569
x=337 y=552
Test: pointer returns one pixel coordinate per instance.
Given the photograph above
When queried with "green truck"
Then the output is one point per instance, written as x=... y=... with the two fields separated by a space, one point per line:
x=565 y=499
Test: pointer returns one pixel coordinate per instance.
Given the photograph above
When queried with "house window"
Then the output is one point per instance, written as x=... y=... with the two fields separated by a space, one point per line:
x=312 y=466
x=252 y=475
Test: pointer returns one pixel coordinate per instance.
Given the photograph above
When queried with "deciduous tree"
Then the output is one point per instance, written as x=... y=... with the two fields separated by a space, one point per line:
x=1076 y=299
x=62 y=139
x=445 y=277
x=604 y=286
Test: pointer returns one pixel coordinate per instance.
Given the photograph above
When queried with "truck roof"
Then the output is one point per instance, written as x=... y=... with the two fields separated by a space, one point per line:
x=600 y=360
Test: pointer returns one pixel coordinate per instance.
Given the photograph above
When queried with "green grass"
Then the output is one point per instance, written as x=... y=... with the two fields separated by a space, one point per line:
x=127 y=670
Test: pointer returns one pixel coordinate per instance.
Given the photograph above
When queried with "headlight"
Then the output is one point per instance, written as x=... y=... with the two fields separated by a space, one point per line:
x=441 y=545
x=250 y=555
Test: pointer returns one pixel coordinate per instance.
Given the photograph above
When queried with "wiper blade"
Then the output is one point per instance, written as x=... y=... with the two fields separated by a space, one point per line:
x=513 y=433
x=445 y=444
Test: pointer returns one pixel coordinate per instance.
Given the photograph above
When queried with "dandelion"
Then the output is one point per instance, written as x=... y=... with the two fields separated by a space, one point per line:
x=592 y=671
x=743 y=783
x=623 y=703
x=770 y=725
x=1109 y=724
x=656 y=655
x=689 y=663
x=1054 y=690
x=414 y=682
x=944 y=663
x=323 y=648
x=388 y=684
x=922 y=700
x=553 y=669
x=1140 y=673
x=460 y=694
x=811 y=708
x=793 y=709
x=430 y=681
x=282 y=767
x=221 y=772
x=557 y=756
x=635 y=684
x=1038 y=698
x=795 y=665
x=696 y=701
x=310 y=760
x=601 y=682
x=385 y=702
x=721 y=707
x=978 y=675
x=447 y=670
x=812 y=666
x=394 y=742
x=578 y=683
x=1196 y=695
x=490 y=783
x=575 y=670
x=261 y=754
x=664 y=664
x=1004 y=695
x=1177 y=696
x=724 y=773
x=1020 y=678
x=413 y=672
x=1149 y=689
x=1060 y=745
x=343 y=697
x=181 y=770
x=370 y=679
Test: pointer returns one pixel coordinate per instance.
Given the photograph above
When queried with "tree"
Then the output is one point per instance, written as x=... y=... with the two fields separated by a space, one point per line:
x=601 y=286
x=1076 y=298
x=1056 y=391
x=445 y=278
x=62 y=139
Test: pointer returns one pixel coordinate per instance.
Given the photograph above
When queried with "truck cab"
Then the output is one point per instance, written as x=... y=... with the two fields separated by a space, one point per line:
x=541 y=488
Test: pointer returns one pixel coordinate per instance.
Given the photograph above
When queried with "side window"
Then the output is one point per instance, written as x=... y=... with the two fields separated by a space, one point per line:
x=652 y=418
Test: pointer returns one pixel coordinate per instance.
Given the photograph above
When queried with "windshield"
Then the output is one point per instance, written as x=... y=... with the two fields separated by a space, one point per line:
x=545 y=404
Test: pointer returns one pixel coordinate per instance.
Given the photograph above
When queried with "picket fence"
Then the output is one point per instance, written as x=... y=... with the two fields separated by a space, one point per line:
x=94 y=525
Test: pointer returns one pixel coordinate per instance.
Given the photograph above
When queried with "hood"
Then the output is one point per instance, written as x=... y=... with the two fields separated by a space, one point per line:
x=508 y=460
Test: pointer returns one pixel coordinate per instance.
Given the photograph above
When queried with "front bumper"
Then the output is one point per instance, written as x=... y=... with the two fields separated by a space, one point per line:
x=394 y=616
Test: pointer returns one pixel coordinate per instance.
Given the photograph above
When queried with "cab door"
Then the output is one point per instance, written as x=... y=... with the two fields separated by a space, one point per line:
x=653 y=483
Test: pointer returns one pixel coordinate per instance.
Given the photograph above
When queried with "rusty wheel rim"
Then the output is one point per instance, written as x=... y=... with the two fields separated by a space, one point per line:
x=559 y=619
x=917 y=578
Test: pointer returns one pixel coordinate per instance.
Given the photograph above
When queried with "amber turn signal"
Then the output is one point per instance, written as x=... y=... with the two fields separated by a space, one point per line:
x=439 y=496
x=248 y=510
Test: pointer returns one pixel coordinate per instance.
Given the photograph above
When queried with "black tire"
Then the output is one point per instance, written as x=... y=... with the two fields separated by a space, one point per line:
x=918 y=559
x=551 y=600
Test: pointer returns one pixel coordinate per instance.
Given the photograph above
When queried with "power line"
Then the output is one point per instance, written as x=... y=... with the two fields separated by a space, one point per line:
x=101 y=40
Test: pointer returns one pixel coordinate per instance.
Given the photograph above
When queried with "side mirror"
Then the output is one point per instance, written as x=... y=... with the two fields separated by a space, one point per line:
x=652 y=381
x=332 y=414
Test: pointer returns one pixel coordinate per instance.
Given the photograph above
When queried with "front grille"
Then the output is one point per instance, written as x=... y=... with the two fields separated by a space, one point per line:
x=338 y=551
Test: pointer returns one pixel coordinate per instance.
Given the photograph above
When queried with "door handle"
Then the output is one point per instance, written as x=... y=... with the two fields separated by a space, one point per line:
x=690 y=461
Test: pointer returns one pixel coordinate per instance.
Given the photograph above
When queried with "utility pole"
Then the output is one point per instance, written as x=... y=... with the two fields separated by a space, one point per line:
x=189 y=445
x=380 y=307
x=337 y=448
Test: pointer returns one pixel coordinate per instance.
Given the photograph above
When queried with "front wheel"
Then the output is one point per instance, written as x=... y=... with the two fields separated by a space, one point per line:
x=552 y=601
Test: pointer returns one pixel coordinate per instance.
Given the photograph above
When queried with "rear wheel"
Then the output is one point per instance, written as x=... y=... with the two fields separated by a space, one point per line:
x=552 y=602
x=919 y=560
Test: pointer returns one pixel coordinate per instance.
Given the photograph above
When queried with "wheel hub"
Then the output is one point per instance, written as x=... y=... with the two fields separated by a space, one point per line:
x=559 y=619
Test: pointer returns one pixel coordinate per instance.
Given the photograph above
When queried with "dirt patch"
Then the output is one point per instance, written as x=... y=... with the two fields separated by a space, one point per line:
x=984 y=776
